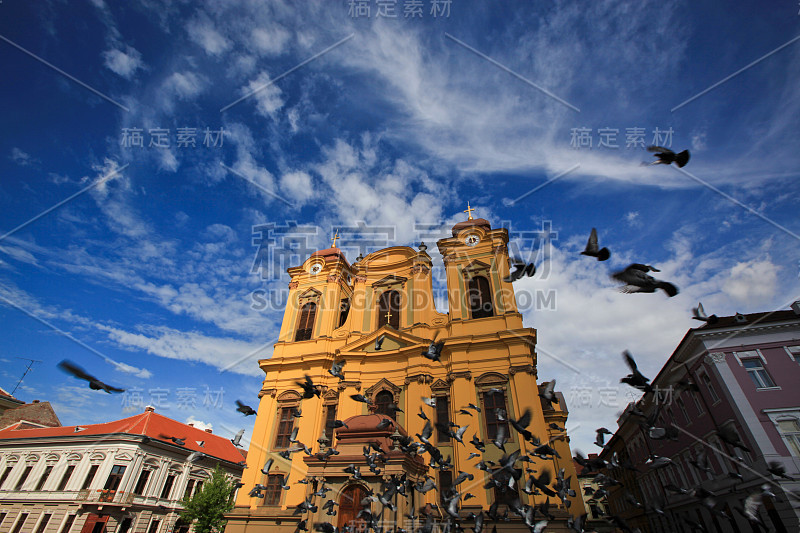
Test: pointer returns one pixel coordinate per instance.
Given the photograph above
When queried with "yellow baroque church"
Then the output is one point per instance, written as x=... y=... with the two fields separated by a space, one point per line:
x=336 y=311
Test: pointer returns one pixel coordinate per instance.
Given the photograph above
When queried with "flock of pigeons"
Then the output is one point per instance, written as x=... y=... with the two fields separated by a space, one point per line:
x=506 y=476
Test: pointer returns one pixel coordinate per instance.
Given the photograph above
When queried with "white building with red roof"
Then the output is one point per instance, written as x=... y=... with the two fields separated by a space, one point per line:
x=125 y=476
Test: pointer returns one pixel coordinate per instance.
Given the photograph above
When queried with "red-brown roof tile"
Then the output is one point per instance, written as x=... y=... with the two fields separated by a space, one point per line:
x=150 y=424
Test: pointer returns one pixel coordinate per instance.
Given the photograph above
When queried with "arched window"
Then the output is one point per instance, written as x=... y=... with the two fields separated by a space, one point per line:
x=389 y=304
x=480 y=297
x=350 y=507
x=344 y=310
x=306 y=324
x=383 y=402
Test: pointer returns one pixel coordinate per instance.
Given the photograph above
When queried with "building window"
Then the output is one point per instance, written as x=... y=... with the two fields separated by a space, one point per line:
x=24 y=477
x=710 y=387
x=330 y=419
x=43 y=523
x=153 y=527
x=344 y=310
x=199 y=487
x=167 y=486
x=89 y=477
x=188 y=492
x=68 y=524
x=306 y=325
x=272 y=495
x=114 y=478
x=285 y=427
x=790 y=431
x=65 y=478
x=480 y=297
x=389 y=304
x=492 y=401
x=141 y=483
x=125 y=526
x=697 y=402
x=2 y=518
x=442 y=419
x=20 y=522
x=445 y=484
x=794 y=353
x=6 y=472
x=755 y=368
x=684 y=412
x=46 y=474
x=383 y=403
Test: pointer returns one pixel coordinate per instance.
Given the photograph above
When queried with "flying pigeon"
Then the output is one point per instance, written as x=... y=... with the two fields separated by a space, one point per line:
x=636 y=279
x=593 y=249
x=665 y=156
x=95 y=384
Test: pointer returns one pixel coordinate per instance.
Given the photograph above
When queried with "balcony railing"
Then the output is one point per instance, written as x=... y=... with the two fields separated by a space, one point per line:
x=105 y=496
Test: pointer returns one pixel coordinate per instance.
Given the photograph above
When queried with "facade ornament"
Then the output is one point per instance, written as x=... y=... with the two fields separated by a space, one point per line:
x=466 y=374
x=293 y=284
x=530 y=369
x=716 y=357
x=344 y=384
x=361 y=279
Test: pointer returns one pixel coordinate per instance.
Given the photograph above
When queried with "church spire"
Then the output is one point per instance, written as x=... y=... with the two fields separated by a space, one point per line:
x=468 y=211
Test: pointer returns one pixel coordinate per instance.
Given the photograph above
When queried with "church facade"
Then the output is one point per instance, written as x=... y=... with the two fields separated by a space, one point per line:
x=378 y=316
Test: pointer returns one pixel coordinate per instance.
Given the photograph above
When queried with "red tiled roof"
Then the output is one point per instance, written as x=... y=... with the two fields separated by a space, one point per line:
x=330 y=254
x=4 y=394
x=36 y=412
x=149 y=424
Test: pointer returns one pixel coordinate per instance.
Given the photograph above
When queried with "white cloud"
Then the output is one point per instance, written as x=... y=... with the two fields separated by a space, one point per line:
x=269 y=41
x=202 y=32
x=223 y=353
x=199 y=424
x=185 y=85
x=22 y=158
x=128 y=369
x=125 y=63
x=298 y=187
x=267 y=96
x=752 y=282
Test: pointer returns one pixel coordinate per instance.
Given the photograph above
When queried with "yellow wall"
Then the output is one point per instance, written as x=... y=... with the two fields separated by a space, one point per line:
x=479 y=353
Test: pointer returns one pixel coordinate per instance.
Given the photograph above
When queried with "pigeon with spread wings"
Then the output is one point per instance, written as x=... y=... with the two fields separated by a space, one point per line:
x=593 y=249
x=665 y=156
x=95 y=384
x=636 y=279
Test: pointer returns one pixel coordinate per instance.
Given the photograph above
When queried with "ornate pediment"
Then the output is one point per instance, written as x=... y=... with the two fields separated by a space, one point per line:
x=383 y=384
x=390 y=281
x=392 y=340
x=475 y=268
x=310 y=295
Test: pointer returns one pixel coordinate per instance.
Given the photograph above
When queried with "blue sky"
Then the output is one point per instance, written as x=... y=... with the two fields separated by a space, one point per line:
x=394 y=123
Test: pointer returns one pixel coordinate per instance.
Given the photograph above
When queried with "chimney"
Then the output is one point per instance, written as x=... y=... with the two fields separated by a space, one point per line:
x=149 y=409
x=208 y=430
x=796 y=307
x=190 y=425
x=35 y=401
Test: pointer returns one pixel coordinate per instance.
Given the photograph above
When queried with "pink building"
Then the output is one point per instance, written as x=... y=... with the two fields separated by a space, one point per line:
x=743 y=374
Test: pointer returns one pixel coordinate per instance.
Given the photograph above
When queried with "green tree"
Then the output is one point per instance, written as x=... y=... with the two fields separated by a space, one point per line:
x=208 y=505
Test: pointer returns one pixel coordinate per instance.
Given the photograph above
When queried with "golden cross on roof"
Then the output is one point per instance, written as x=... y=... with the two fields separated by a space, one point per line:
x=335 y=237
x=388 y=316
x=468 y=211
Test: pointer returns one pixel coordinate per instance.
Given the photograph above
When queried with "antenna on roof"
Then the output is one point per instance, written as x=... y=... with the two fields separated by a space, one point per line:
x=24 y=373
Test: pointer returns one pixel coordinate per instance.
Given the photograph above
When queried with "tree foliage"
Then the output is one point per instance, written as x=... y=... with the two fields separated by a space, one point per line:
x=208 y=505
